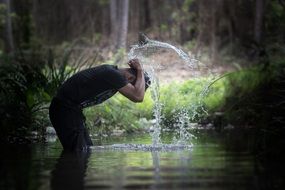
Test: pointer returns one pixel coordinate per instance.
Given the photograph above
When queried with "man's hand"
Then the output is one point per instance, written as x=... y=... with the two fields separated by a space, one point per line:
x=135 y=92
x=135 y=64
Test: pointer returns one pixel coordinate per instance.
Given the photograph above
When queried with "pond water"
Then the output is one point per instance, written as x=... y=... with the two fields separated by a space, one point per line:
x=216 y=161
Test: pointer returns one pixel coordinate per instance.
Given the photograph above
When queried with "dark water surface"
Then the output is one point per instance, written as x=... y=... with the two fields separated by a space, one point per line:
x=217 y=161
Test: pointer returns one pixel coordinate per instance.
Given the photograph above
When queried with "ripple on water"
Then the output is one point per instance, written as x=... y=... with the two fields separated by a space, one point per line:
x=143 y=147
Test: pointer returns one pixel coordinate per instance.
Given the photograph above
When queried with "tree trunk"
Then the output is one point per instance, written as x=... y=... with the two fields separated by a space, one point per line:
x=123 y=24
x=200 y=27
x=113 y=18
x=135 y=15
x=8 y=31
x=259 y=20
x=213 y=35
x=147 y=20
x=105 y=21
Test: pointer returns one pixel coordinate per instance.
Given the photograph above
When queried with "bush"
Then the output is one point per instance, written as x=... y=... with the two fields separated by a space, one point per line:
x=175 y=97
x=118 y=112
x=28 y=81
x=241 y=97
x=21 y=95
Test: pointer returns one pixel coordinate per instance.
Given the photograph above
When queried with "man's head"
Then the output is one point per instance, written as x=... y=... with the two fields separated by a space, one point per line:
x=131 y=75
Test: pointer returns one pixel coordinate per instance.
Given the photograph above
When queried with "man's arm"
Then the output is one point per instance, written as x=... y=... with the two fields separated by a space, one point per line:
x=135 y=92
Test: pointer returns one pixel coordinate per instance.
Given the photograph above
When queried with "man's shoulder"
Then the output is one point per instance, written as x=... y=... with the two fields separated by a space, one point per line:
x=112 y=75
x=106 y=66
x=100 y=69
x=108 y=70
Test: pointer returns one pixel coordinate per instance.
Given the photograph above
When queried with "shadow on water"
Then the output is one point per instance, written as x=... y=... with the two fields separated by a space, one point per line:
x=216 y=161
x=15 y=174
x=69 y=171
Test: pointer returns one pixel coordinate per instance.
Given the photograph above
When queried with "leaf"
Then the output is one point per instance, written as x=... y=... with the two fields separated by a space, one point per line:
x=30 y=100
x=46 y=96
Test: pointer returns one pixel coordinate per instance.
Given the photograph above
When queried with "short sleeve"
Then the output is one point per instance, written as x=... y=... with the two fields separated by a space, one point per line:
x=115 y=78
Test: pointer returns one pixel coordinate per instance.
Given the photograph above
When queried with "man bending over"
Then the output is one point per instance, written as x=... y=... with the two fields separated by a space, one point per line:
x=91 y=87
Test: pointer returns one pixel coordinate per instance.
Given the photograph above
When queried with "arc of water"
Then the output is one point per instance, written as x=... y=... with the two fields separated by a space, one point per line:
x=141 y=51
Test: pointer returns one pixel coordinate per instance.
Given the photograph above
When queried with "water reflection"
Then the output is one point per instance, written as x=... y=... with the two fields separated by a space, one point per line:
x=213 y=163
x=156 y=168
x=69 y=171
x=203 y=167
x=15 y=164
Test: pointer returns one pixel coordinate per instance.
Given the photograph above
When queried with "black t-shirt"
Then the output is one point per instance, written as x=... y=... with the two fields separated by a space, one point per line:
x=92 y=86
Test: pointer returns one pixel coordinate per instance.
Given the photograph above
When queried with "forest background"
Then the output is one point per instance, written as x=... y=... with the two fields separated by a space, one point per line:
x=44 y=42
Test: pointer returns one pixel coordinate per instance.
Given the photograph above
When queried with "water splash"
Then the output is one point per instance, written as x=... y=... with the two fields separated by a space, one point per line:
x=199 y=107
x=142 y=51
x=157 y=110
x=147 y=47
x=183 y=137
x=144 y=147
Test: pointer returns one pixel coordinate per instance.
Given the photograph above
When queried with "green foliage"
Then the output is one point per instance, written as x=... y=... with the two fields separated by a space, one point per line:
x=216 y=96
x=21 y=94
x=118 y=112
x=28 y=81
x=122 y=113
x=246 y=91
x=3 y=10
x=194 y=96
x=231 y=93
x=274 y=18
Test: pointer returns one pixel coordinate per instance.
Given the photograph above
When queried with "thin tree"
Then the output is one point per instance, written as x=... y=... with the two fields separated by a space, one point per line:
x=113 y=19
x=8 y=30
x=119 y=15
x=123 y=24
x=259 y=20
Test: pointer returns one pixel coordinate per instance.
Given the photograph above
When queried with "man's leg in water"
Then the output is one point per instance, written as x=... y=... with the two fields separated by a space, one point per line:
x=87 y=137
x=69 y=126
x=85 y=131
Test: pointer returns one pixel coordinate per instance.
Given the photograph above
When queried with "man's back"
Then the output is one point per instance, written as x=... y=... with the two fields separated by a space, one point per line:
x=92 y=86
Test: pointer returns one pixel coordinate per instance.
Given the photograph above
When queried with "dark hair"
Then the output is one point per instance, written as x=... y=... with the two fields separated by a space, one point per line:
x=146 y=77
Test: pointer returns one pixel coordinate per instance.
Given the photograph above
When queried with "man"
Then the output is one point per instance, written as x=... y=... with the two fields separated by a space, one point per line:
x=91 y=87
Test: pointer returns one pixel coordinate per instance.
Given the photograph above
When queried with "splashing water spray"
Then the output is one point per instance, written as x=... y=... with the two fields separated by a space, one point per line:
x=182 y=123
x=142 y=51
